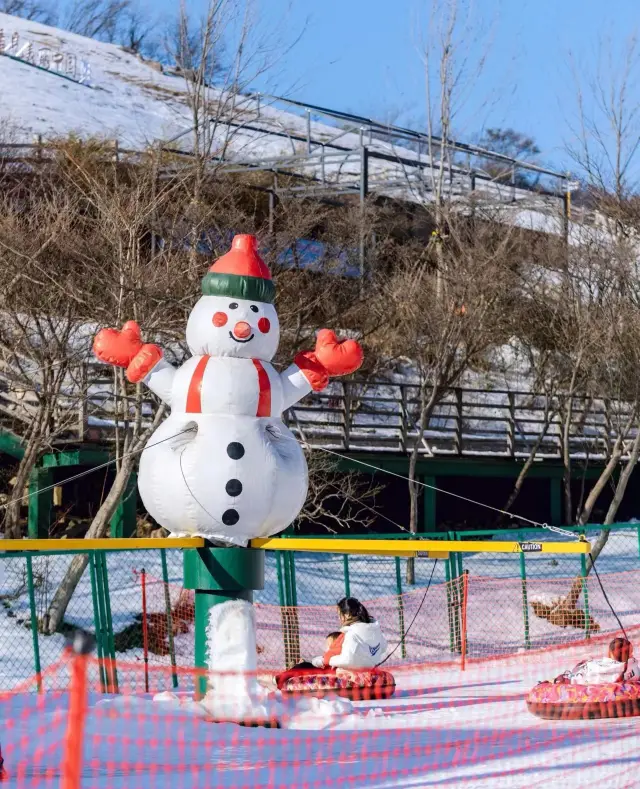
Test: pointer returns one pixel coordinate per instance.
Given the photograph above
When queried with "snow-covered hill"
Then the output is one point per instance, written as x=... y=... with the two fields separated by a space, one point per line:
x=138 y=103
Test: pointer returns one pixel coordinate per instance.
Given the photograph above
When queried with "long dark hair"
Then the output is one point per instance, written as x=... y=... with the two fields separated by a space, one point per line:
x=352 y=610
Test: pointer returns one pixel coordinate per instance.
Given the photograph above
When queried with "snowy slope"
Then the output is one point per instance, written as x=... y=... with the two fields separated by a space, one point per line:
x=132 y=101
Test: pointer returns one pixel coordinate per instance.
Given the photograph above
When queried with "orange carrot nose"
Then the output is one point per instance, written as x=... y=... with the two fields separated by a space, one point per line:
x=242 y=330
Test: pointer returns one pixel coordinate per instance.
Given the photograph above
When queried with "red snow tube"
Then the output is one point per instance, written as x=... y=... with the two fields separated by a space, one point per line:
x=355 y=684
x=563 y=701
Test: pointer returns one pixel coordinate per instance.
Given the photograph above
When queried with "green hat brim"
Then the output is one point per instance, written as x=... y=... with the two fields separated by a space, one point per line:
x=238 y=287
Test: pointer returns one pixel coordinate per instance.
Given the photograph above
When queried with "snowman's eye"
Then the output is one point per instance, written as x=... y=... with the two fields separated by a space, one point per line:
x=233 y=305
x=254 y=308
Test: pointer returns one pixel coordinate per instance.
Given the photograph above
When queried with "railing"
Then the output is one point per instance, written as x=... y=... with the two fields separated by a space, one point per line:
x=357 y=416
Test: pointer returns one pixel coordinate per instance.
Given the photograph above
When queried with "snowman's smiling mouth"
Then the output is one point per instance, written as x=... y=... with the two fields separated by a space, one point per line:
x=243 y=341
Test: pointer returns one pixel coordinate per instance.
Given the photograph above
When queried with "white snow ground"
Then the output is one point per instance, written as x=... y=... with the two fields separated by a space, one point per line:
x=443 y=727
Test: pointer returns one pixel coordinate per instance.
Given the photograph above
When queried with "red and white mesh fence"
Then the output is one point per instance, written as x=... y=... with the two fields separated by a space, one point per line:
x=501 y=616
x=442 y=727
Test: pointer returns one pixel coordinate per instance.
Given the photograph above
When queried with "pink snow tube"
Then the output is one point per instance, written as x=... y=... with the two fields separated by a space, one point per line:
x=355 y=684
x=562 y=701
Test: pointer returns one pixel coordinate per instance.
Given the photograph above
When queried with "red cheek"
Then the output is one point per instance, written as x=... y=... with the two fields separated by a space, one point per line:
x=219 y=319
x=264 y=325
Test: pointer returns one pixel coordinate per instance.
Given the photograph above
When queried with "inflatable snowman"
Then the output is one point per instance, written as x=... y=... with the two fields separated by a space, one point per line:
x=223 y=466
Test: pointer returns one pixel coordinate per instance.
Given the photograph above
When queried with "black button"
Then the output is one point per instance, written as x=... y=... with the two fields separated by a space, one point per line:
x=233 y=487
x=230 y=517
x=235 y=450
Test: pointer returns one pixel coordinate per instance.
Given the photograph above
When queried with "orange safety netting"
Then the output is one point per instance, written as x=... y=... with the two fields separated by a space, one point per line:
x=442 y=726
x=486 y=616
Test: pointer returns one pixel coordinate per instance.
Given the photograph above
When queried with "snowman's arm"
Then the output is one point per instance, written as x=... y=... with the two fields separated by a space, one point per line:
x=160 y=380
x=306 y=374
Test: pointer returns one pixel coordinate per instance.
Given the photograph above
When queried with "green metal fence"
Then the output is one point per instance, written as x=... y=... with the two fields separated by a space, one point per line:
x=108 y=599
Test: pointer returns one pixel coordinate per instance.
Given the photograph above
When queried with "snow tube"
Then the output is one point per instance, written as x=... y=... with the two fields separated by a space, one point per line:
x=562 y=701
x=356 y=684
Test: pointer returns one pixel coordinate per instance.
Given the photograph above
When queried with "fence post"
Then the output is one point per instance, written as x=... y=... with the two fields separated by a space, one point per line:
x=294 y=623
x=104 y=635
x=447 y=574
x=96 y=620
x=455 y=594
x=74 y=738
x=40 y=502
x=109 y=621
x=525 y=602
x=583 y=571
x=34 y=624
x=403 y=647
x=167 y=604
x=346 y=407
x=284 y=606
x=347 y=583
x=463 y=635
x=457 y=436
x=145 y=631
x=511 y=424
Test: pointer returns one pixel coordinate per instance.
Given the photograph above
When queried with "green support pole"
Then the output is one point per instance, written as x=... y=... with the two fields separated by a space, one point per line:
x=167 y=605
x=429 y=502
x=111 y=643
x=447 y=575
x=294 y=622
x=525 y=602
x=403 y=647
x=40 y=503
x=281 y=591
x=218 y=575
x=456 y=597
x=123 y=520
x=34 y=623
x=96 y=620
x=555 y=484
x=292 y=578
x=104 y=627
x=583 y=571
x=347 y=582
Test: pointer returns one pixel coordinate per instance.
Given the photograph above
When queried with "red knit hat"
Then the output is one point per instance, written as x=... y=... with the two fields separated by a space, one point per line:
x=240 y=274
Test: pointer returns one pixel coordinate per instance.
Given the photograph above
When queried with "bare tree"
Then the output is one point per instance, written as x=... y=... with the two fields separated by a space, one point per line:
x=39 y=339
x=114 y=247
x=35 y=10
x=101 y=19
x=444 y=327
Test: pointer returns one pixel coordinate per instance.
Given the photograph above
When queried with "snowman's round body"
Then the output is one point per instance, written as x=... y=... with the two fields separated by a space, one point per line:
x=238 y=472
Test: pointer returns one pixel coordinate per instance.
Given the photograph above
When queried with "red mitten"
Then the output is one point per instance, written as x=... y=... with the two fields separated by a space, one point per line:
x=143 y=362
x=312 y=370
x=118 y=347
x=339 y=357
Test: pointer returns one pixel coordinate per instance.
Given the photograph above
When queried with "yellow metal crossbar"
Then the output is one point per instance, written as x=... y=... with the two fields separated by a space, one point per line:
x=116 y=544
x=433 y=548
x=436 y=549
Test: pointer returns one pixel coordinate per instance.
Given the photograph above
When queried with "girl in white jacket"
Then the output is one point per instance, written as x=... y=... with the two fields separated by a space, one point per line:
x=362 y=645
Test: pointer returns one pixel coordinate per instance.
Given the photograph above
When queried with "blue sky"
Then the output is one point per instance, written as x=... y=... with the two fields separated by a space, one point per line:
x=362 y=56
